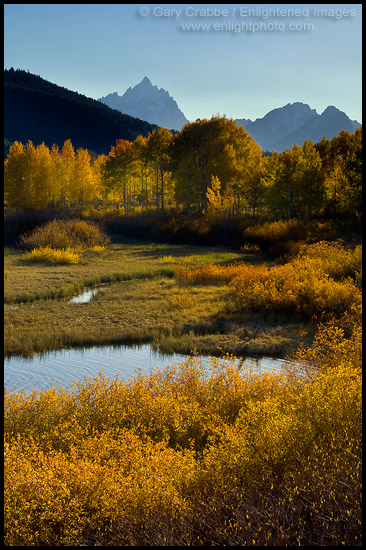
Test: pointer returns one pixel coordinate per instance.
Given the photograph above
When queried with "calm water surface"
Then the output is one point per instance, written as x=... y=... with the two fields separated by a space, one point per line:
x=63 y=367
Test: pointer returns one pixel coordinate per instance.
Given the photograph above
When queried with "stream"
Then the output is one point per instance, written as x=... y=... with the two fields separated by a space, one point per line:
x=66 y=366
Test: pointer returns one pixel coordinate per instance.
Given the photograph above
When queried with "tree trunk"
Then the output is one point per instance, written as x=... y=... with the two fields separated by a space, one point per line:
x=124 y=196
x=157 y=190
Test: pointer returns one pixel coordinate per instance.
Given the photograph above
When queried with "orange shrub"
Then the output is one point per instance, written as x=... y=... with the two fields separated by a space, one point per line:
x=300 y=286
x=323 y=277
x=211 y=273
x=186 y=457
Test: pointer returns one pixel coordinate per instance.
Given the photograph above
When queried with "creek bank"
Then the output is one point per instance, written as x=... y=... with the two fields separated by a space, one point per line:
x=64 y=367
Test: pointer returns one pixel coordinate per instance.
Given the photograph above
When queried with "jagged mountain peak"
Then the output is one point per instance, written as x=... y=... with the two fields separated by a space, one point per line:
x=147 y=102
x=38 y=110
x=295 y=122
x=146 y=80
x=331 y=109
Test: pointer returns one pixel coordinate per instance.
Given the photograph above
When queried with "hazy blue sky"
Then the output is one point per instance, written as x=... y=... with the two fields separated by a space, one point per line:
x=245 y=66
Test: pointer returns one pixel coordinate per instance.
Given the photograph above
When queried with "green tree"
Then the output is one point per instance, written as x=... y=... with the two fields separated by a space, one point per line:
x=354 y=174
x=141 y=171
x=271 y=175
x=282 y=175
x=255 y=187
x=341 y=168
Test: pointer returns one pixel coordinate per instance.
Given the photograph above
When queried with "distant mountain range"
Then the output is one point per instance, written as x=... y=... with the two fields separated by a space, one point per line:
x=37 y=110
x=279 y=129
x=294 y=123
x=149 y=103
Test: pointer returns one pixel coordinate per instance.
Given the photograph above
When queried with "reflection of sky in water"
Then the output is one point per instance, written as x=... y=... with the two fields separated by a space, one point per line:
x=85 y=297
x=66 y=366
x=82 y=298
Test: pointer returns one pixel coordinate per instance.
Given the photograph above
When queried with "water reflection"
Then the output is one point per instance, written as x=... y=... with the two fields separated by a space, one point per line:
x=84 y=297
x=63 y=367
x=88 y=294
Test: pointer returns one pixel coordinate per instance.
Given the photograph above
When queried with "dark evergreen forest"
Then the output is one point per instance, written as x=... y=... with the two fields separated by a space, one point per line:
x=37 y=110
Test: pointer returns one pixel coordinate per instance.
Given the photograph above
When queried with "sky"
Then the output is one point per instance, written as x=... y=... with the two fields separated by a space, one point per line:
x=238 y=60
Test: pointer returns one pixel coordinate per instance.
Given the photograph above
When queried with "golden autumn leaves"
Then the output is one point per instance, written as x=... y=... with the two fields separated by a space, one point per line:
x=182 y=458
x=210 y=166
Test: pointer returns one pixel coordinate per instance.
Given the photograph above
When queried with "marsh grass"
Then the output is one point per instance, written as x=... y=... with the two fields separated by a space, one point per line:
x=124 y=259
x=142 y=303
x=156 y=310
x=139 y=310
x=207 y=305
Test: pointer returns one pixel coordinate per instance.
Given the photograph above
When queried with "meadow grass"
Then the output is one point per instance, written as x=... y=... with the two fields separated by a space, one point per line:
x=216 y=299
x=124 y=259
x=157 y=310
x=151 y=307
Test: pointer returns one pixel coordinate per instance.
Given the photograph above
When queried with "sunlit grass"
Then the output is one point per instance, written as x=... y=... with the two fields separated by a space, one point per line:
x=121 y=261
x=47 y=254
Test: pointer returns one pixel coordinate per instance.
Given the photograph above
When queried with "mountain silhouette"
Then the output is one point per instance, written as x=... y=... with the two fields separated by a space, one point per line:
x=149 y=103
x=280 y=128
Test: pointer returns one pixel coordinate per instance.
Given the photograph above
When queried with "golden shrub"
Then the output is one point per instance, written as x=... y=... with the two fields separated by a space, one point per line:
x=324 y=277
x=188 y=456
x=62 y=234
x=55 y=256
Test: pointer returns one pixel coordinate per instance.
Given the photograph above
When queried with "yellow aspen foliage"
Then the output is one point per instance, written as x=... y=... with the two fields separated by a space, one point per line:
x=14 y=169
x=97 y=169
x=66 y=171
x=28 y=176
x=56 y=187
x=84 y=184
x=43 y=176
x=214 y=198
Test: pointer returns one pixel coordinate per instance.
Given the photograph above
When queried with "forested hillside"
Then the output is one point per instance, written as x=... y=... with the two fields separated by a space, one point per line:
x=37 y=110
